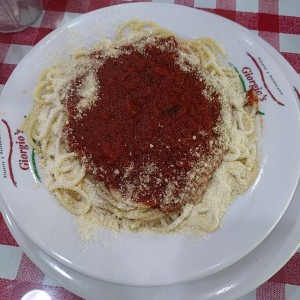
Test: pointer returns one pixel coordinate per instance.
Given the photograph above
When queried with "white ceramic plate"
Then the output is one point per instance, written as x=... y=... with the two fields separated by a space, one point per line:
x=137 y=259
x=231 y=283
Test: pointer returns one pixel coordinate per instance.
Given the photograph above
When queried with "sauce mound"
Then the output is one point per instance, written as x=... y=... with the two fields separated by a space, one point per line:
x=152 y=133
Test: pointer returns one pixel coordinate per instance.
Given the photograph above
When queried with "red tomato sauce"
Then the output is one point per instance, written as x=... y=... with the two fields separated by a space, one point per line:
x=149 y=112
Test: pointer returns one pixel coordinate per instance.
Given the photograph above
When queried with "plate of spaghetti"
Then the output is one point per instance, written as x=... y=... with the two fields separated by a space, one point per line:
x=143 y=149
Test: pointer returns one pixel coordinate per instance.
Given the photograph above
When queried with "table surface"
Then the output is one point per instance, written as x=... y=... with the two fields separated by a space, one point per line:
x=276 y=21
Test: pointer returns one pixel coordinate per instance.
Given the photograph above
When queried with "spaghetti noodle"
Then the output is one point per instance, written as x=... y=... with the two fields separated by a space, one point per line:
x=221 y=158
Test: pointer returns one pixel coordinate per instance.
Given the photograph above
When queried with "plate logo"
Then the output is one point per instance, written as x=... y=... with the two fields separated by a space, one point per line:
x=11 y=145
x=23 y=150
x=261 y=68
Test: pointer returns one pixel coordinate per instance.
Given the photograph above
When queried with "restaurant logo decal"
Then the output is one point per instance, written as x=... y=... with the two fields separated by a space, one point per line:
x=11 y=146
x=23 y=150
x=259 y=83
x=261 y=68
x=19 y=147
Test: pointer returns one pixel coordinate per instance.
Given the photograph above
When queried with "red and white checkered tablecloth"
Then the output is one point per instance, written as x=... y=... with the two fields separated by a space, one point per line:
x=276 y=21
